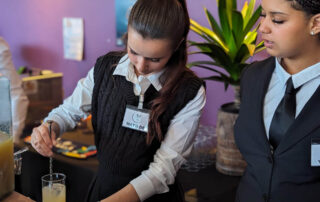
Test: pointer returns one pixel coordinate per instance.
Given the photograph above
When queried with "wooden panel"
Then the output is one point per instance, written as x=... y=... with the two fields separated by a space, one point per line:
x=44 y=93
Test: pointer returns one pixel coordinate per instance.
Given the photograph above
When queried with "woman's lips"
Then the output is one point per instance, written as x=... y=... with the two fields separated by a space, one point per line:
x=268 y=44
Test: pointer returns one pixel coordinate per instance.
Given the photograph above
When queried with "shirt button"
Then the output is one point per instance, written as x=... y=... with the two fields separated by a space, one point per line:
x=270 y=159
x=271 y=149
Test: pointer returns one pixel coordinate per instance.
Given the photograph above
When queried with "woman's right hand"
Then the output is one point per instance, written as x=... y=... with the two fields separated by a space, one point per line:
x=40 y=138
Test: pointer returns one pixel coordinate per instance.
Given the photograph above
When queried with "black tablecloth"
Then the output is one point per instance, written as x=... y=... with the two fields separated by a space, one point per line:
x=211 y=186
x=79 y=173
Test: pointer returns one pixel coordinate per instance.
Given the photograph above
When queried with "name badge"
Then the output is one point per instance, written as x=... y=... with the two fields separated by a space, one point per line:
x=136 y=119
x=315 y=152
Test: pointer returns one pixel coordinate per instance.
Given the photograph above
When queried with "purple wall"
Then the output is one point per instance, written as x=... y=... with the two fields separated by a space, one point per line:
x=33 y=30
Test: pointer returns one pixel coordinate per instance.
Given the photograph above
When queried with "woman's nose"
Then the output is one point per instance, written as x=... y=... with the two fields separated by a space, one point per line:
x=141 y=62
x=264 y=27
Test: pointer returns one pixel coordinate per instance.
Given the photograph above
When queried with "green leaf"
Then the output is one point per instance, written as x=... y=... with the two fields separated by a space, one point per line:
x=233 y=49
x=202 y=46
x=213 y=36
x=226 y=28
x=211 y=69
x=237 y=27
x=216 y=53
x=197 y=52
x=244 y=9
x=251 y=48
x=260 y=47
x=230 y=43
x=224 y=22
x=252 y=21
x=250 y=38
x=226 y=81
x=214 y=78
x=234 y=72
x=249 y=12
x=202 y=63
x=201 y=33
x=214 y=25
x=242 y=53
x=219 y=56
x=261 y=44
x=231 y=5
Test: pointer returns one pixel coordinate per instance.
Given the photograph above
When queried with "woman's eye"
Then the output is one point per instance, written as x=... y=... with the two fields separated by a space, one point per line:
x=155 y=60
x=132 y=52
x=278 y=21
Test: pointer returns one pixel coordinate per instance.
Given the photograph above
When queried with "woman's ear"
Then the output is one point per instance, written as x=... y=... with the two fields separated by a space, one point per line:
x=315 y=24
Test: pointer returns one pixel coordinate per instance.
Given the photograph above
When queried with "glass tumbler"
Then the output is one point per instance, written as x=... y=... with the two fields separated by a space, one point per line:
x=53 y=187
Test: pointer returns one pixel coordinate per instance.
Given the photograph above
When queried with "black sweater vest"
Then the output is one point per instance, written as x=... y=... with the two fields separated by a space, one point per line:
x=123 y=151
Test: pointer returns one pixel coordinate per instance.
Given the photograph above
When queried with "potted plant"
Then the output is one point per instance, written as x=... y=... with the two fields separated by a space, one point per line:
x=229 y=45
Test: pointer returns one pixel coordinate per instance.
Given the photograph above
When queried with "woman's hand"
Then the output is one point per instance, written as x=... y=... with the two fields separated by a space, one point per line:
x=126 y=194
x=40 y=138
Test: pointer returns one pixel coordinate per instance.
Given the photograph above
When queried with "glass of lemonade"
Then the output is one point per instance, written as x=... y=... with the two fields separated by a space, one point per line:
x=53 y=187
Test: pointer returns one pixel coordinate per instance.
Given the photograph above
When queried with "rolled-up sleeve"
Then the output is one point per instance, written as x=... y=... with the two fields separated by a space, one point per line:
x=75 y=107
x=175 y=147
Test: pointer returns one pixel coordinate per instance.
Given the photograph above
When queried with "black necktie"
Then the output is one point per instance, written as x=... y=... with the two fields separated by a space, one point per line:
x=284 y=115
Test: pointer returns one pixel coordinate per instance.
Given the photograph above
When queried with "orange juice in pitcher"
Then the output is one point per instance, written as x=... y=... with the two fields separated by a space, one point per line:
x=6 y=140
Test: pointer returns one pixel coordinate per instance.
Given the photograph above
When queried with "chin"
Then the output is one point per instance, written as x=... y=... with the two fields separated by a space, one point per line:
x=273 y=53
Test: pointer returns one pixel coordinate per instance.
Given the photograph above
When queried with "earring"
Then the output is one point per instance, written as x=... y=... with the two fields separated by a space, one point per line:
x=312 y=33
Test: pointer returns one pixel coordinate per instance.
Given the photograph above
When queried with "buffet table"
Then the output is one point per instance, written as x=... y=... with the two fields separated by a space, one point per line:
x=209 y=184
x=17 y=197
x=79 y=173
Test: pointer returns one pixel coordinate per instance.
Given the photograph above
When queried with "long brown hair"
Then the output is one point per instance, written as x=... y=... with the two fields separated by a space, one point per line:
x=164 y=19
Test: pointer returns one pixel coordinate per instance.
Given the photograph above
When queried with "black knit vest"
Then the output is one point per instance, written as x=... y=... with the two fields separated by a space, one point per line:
x=123 y=151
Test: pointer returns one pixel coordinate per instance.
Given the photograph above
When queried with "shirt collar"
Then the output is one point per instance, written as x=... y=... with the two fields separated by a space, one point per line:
x=125 y=68
x=282 y=74
x=299 y=78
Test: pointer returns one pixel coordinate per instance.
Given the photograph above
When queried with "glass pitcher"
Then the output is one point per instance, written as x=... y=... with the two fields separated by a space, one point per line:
x=6 y=140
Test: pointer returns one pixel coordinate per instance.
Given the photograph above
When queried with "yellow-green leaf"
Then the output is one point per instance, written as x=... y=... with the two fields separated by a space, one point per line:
x=250 y=38
x=209 y=33
x=214 y=25
x=244 y=9
x=251 y=48
x=249 y=12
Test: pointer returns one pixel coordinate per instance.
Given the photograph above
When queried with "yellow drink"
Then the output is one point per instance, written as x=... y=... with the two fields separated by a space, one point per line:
x=6 y=164
x=54 y=193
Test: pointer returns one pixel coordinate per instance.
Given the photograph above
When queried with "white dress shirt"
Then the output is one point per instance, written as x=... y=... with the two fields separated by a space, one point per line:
x=178 y=140
x=309 y=79
x=19 y=101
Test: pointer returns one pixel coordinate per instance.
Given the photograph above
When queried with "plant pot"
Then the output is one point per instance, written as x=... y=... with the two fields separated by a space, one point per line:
x=229 y=160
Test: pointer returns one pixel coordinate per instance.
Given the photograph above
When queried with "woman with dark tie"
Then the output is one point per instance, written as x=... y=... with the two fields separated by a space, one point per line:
x=278 y=128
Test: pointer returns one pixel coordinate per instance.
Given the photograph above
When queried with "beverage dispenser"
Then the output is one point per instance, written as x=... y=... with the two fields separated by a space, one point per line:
x=6 y=139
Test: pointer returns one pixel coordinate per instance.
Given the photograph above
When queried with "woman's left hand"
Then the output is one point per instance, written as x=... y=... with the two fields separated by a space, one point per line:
x=126 y=194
